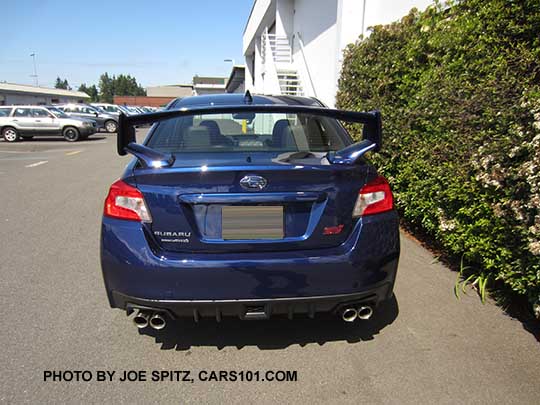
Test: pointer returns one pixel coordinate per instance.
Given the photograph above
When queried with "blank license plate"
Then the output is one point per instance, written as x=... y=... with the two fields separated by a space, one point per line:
x=252 y=222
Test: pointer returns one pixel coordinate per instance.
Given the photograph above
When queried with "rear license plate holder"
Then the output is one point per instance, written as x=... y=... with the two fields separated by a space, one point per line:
x=242 y=222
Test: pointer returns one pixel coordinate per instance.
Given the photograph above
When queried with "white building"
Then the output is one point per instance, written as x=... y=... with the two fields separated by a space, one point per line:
x=13 y=94
x=295 y=47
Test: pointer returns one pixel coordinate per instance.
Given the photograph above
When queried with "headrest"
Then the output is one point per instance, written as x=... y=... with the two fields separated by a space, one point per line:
x=282 y=136
x=196 y=137
x=212 y=126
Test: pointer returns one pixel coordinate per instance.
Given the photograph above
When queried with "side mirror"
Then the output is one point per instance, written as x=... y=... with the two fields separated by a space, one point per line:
x=96 y=113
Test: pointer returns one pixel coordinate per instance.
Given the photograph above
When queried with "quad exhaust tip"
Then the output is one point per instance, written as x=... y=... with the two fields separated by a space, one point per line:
x=364 y=313
x=141 y=320
x=349 y=314
x=155 y=320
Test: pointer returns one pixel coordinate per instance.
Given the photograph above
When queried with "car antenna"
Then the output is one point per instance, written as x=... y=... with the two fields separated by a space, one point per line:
x=247 y=98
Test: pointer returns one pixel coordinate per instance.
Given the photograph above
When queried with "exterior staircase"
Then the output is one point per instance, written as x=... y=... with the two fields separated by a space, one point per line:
x=277 y=51
x=289 y=83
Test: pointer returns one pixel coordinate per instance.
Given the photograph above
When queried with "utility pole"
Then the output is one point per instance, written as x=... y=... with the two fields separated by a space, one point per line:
x=35 y=76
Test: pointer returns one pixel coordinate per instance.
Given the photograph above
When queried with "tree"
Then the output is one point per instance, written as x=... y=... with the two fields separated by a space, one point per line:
x=110 y=86
x=91 y=91
x=126 y=85
x=121 y=85
x=62 y=84
x=106 y=88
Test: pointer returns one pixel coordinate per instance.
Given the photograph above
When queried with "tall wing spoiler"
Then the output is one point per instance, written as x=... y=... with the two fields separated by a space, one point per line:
x=372 y=131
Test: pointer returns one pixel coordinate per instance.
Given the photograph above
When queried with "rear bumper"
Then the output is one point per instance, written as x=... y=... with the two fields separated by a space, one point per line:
x=85 y=131
x=362 y=268
x=255 y=309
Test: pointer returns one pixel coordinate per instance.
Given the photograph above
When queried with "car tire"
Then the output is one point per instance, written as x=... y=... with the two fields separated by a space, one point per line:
x=111 y=126
x=71 y=134
x=10 y=134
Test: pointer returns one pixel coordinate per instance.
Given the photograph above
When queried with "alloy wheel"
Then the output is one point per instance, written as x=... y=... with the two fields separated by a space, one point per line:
x=10 y=135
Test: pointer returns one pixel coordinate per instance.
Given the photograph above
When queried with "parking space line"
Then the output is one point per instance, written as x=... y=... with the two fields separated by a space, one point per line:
x=36 y=151
x=2 y=159
x=42 y=162
x=73 y=152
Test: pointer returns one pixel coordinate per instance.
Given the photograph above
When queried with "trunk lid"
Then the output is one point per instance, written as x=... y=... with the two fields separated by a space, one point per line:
x=191 y=204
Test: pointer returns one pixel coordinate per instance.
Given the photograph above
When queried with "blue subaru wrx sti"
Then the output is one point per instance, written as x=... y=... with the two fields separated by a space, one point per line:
x=252 y=207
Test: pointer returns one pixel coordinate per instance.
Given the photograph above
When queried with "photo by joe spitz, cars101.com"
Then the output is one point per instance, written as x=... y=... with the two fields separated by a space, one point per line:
x=249 y=206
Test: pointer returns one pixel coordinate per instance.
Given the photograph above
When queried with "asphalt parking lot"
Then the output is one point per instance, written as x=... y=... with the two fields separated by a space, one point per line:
x=425 y=347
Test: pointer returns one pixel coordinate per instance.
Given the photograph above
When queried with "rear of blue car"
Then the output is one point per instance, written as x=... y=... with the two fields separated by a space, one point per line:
x=248 y=215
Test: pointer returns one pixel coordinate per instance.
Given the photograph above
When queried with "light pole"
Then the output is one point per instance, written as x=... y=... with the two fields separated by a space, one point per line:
x=363 y=17
x=35 y=76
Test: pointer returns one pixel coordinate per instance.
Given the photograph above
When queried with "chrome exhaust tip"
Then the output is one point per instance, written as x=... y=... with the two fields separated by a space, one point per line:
x=157 y=321
x=364 y=313
x=349 y=314
x=141 y=320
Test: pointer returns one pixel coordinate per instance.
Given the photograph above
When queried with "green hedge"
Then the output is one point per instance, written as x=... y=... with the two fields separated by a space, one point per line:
x=459 y=91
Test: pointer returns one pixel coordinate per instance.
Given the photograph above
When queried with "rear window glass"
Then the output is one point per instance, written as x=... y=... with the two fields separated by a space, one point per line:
x=4 y=112
x=262 y=132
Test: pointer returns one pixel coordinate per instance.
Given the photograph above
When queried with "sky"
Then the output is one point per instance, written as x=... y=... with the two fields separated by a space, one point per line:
x=158 y=41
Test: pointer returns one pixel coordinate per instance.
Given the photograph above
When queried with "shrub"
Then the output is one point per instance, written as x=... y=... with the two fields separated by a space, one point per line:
x=459 y=90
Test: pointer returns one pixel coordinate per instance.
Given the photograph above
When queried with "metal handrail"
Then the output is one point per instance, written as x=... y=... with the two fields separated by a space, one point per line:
x=301 y=42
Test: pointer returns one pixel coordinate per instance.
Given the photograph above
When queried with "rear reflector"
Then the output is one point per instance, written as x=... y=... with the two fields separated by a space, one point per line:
x=126 y=202
x=375 y=197
x=333 y=230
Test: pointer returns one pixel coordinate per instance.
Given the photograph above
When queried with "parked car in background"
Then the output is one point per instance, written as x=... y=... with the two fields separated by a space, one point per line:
x=26 y=121
x=106 y=121
x=112 y=109
x=133 y=109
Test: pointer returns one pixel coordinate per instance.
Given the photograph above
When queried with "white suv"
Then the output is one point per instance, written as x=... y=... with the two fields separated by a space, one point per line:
x=26 y=121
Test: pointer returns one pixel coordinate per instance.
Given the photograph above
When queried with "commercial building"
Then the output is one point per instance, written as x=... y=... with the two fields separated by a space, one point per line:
x=237 y=79
x=295 y=47
x=172 y=90
x=159 y=96
x=208 y=85
x=17 y=94
x=142 y=101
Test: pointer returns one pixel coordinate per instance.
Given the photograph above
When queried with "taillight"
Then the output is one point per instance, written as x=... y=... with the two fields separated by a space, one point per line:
x=375 y=197
x=126 y=202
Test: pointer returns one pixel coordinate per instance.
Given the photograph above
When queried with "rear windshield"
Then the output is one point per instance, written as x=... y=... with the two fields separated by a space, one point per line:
x=248 y=132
